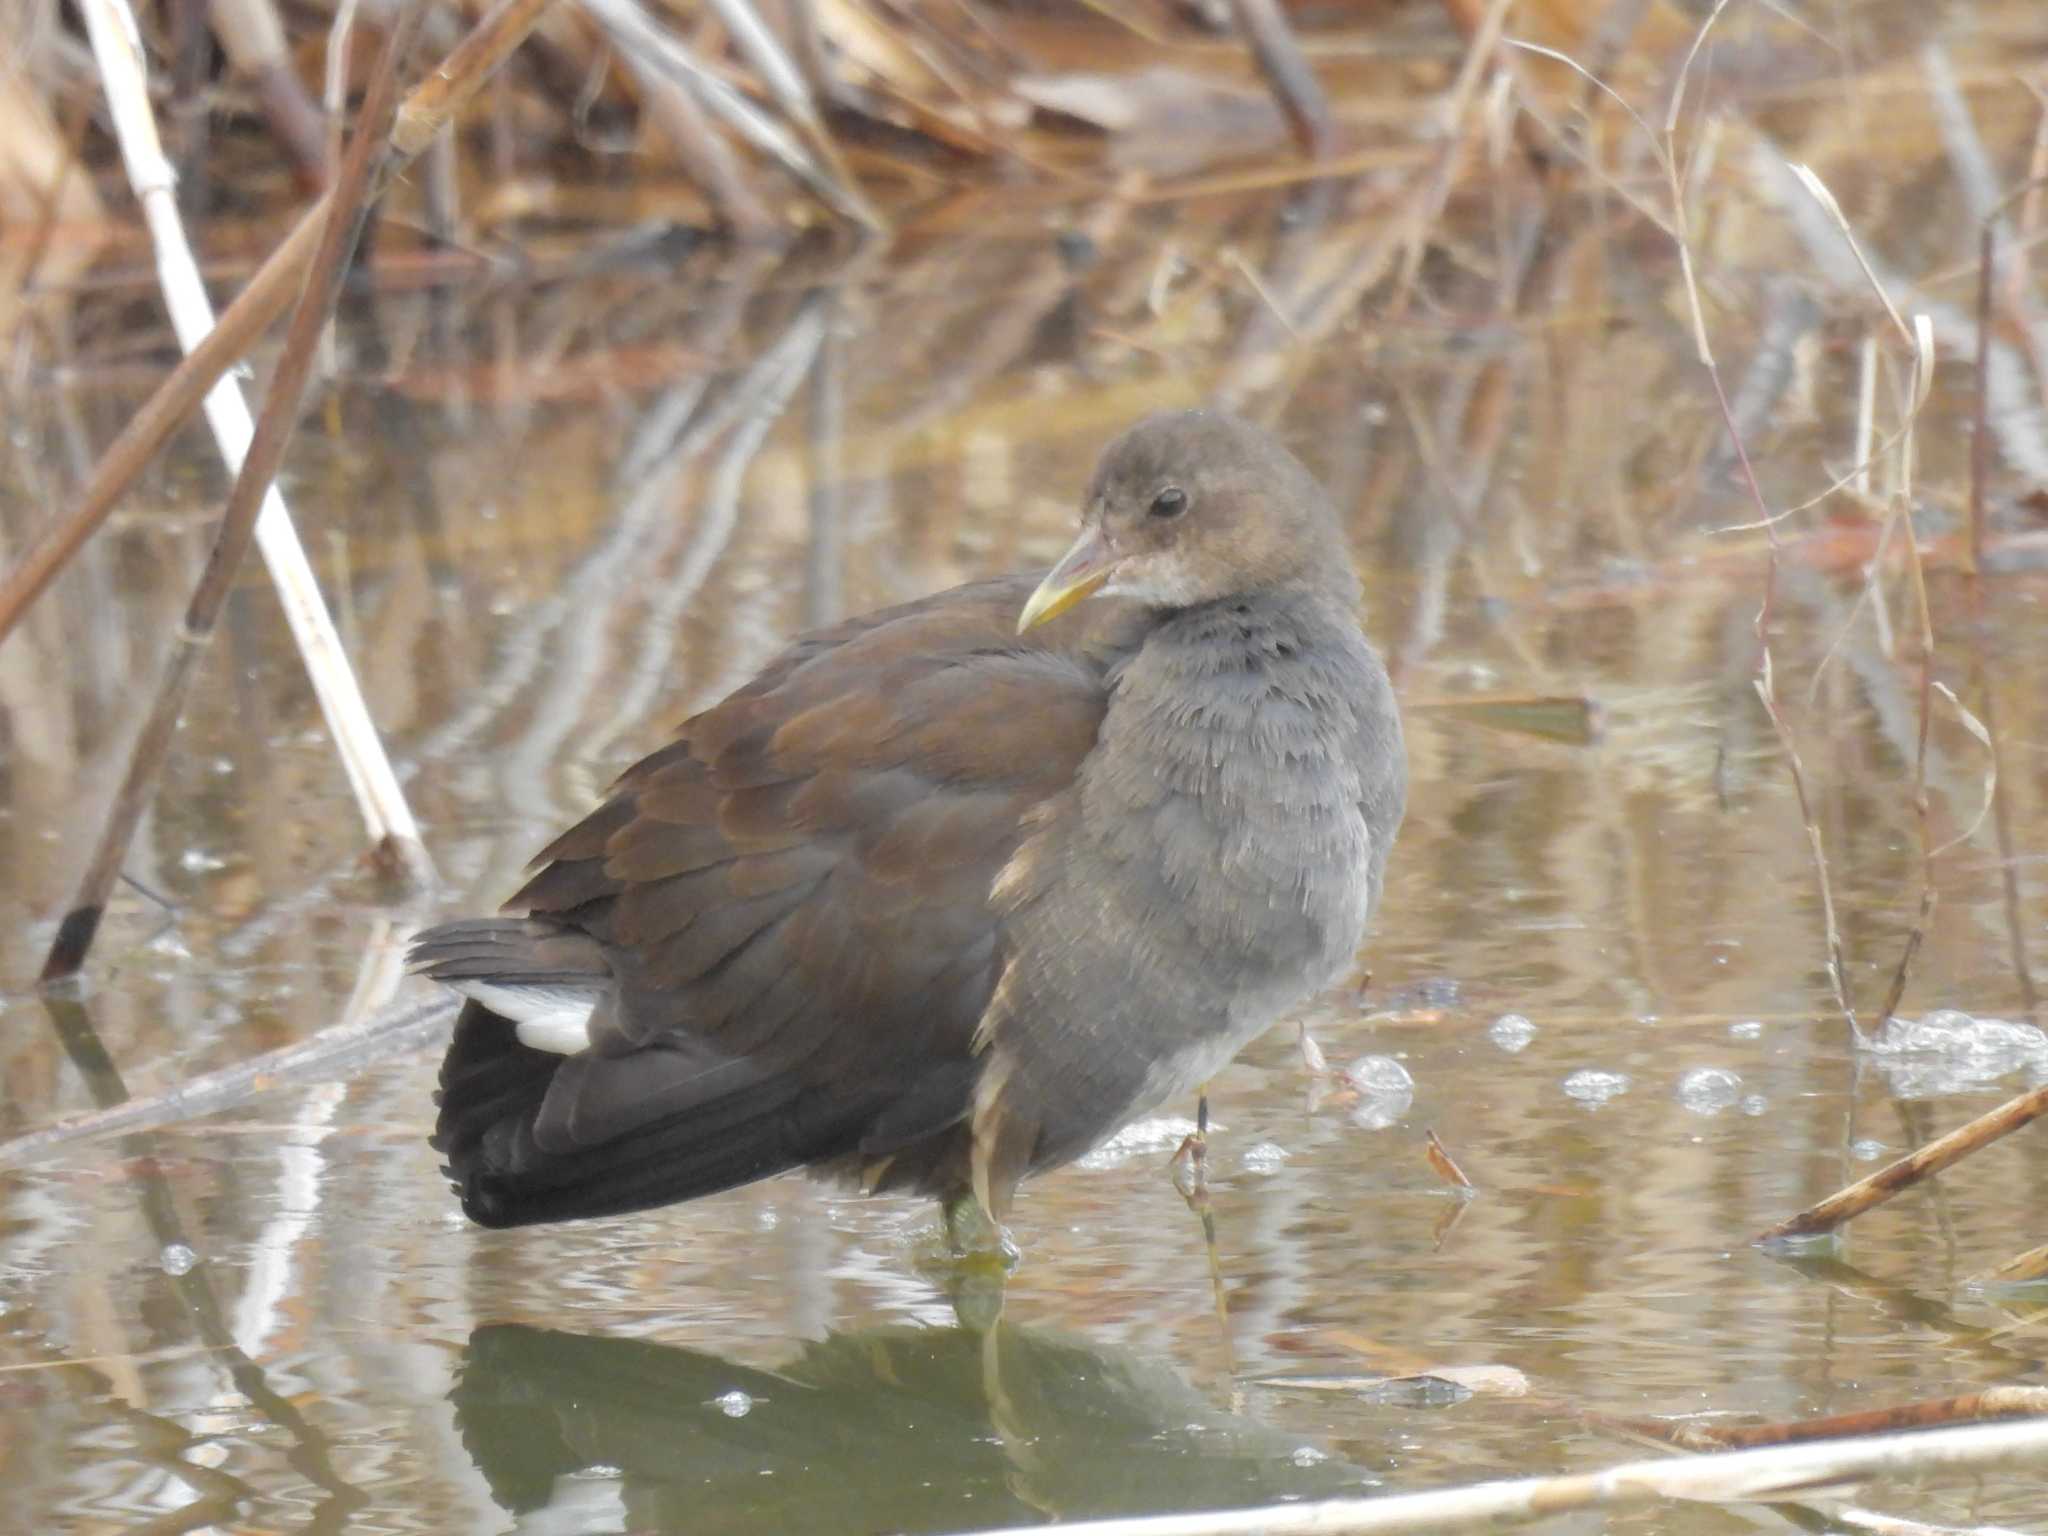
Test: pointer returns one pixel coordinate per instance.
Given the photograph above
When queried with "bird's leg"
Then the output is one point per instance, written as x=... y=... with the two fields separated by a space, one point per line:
x=1194 y=1187
x=1194 y=1155
x=951 y=1213
x=969 y=1259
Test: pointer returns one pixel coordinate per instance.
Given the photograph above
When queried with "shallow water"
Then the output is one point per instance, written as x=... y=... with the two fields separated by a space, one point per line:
x=555 y=514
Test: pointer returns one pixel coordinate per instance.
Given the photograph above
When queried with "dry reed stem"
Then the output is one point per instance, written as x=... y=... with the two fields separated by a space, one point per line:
x=248 y=504
x=117 y=47
x=437 y=98
x=1756 y=1476
x=1943 y=1152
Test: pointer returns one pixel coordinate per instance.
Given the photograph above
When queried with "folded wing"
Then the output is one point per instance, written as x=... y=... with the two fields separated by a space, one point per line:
x=771 y=945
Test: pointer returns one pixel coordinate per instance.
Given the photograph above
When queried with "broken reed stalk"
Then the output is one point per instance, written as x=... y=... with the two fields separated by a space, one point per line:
x=249 y=501
x=1909 y=1170
x=1759 y=1476
x=328 y=1054
x=434 y=101
x=1287 y=73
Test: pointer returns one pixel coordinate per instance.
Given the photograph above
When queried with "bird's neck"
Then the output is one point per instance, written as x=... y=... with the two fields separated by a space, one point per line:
x=1240 y=631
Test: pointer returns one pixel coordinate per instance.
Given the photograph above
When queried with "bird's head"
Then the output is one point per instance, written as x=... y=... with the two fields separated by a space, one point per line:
x=1191 y=507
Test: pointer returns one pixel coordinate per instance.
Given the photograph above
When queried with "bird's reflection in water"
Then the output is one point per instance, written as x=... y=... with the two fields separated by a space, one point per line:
x=894 y=1429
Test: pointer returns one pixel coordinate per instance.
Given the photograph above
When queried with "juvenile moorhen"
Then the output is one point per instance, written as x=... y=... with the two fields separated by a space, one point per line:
x=954 y=890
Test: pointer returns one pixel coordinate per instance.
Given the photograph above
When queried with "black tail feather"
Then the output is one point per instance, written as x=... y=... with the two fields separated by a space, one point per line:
x=493 y=1087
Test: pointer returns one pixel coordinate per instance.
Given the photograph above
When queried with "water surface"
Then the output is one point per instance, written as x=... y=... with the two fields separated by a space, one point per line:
x=555 y=514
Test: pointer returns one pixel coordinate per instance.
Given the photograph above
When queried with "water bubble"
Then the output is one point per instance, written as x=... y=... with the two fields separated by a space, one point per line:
x=1265 y=1157
x=1593 y=1087
x=1379 y=1074
x=1385 y=1092
x=177 y=1259
x=1947 y=1051
x=1160 y=1133
x=1754 y=1104
x=1747 y=1029
x=1709 y=1090
x=734 y=1404
x=1308 y=1456
x=1868 y=1150
x=1511 y=1032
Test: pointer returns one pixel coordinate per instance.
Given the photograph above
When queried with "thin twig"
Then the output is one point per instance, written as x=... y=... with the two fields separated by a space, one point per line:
x=1931 y=1159
x=1980 y=424
x=1287 y=73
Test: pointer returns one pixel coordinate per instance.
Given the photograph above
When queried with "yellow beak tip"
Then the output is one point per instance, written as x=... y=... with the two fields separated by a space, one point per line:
x=1054 y=598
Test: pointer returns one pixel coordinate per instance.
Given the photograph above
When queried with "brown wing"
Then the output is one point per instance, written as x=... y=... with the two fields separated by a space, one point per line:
x=793 y=895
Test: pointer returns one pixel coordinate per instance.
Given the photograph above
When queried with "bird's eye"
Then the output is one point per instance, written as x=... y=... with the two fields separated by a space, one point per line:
x=1170 y=502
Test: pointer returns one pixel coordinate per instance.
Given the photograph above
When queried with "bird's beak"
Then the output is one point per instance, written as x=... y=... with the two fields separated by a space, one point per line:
x=1081 y=572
